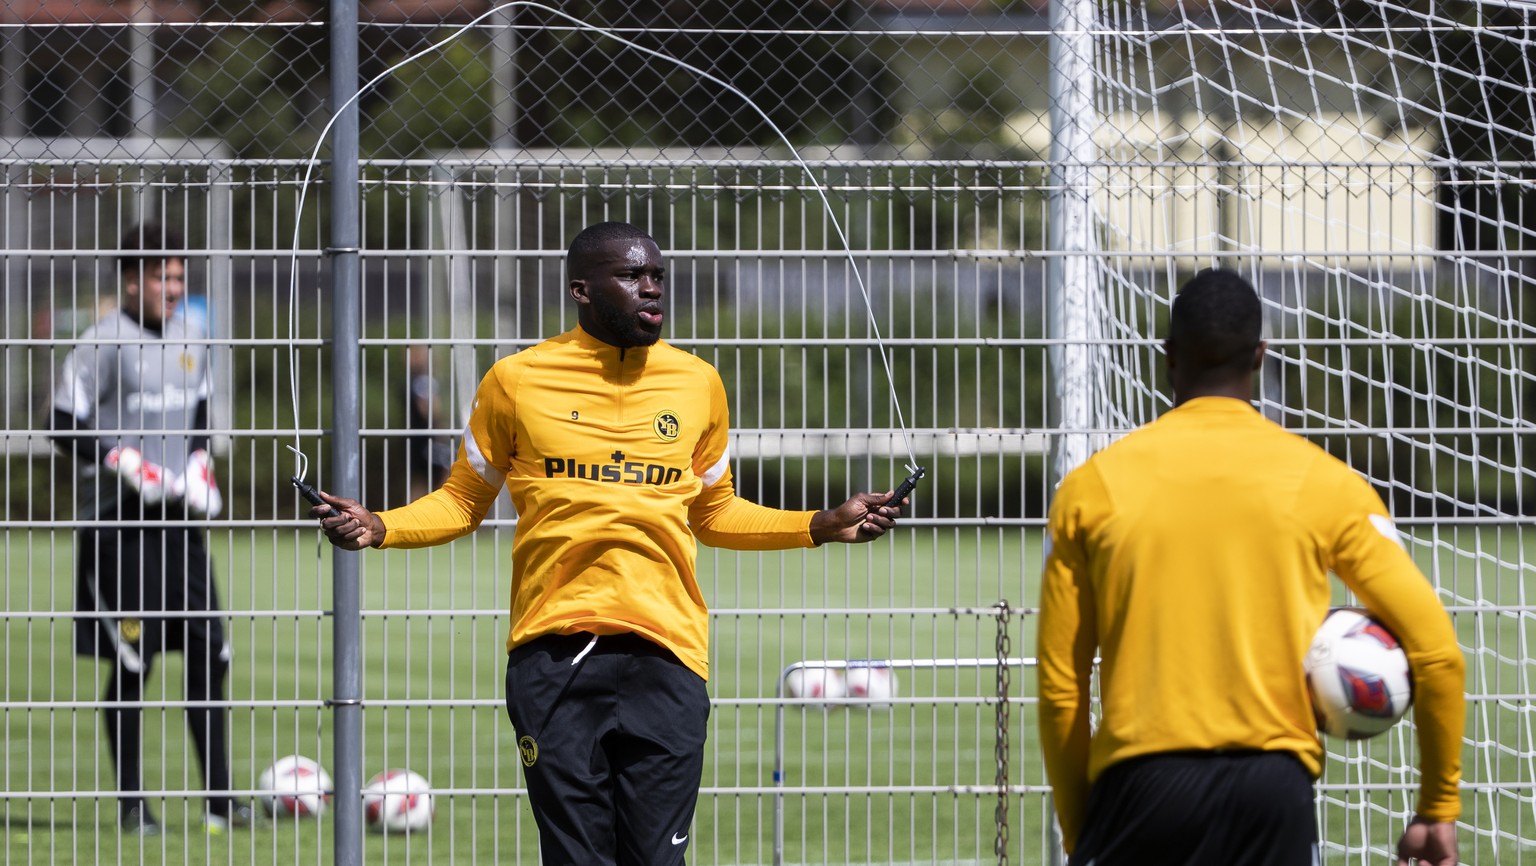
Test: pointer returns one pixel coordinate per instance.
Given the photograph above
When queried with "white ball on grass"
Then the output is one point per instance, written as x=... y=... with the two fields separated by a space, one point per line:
x=874 y=683
x=398 y=801
x=826 y=684
x=294 y=787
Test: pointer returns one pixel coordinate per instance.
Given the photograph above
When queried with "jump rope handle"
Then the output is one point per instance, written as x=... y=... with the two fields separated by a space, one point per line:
x=310 y=494
x=905 y=487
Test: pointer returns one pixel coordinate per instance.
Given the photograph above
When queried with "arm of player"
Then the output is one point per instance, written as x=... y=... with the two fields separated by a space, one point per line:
x=720 y=518
x=1369 y=557
x=80 y=387
x=151 y=482
x=346 y=523
x=1428 y=843
x=863 y=518
x=75 y=436
x=1067 y=638
x=451 y=511
x=197 y=486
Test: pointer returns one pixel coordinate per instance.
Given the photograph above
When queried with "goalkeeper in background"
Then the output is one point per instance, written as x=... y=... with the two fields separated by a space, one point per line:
x=1193 y=556
x=613 y=446
x=131 y=406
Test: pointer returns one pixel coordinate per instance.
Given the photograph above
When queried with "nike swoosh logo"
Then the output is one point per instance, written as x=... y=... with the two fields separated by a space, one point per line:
x=678 y=840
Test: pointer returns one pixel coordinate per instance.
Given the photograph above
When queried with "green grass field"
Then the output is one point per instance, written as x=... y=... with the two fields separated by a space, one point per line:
x=434 y=633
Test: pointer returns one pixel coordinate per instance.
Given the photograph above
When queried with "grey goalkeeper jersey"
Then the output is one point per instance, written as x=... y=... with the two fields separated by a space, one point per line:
x=130 y=386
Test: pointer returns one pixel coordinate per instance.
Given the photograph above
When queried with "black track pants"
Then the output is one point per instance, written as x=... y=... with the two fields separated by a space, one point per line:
x=611 y=737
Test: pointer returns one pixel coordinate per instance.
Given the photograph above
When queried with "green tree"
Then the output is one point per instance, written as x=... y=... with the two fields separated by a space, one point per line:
x=443 y=101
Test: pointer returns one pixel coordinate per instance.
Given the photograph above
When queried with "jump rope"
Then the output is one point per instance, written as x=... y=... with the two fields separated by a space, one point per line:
x=310 y=493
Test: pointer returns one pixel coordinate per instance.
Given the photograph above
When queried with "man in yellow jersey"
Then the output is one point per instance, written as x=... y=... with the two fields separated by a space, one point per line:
x=613 y=446
x=1193 y=556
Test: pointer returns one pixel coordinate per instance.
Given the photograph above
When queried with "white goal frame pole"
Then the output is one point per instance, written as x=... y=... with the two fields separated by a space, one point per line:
x=1072 y=284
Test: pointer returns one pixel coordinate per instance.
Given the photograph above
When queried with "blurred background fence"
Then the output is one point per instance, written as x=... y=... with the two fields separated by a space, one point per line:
x=1369 y=165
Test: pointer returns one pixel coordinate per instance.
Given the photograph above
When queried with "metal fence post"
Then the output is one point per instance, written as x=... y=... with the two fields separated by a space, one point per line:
x=347 y=469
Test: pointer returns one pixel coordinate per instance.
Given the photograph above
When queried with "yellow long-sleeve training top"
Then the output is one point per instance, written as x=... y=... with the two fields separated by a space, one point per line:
x=1195 y=554
x=616 y=460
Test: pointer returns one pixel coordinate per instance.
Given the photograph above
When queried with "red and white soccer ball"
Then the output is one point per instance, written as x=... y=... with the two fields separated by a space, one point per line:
x=825 y=684
x=1358 y=676
x=875 y=684
x=398 y=801
x=294 y=787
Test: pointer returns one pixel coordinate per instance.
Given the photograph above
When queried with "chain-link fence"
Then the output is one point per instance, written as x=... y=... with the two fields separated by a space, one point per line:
x=837 y=187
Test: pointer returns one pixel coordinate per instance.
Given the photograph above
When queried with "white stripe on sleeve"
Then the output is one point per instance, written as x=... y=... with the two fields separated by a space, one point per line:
x=717 y=471
x=489 y=473
x=80 y=402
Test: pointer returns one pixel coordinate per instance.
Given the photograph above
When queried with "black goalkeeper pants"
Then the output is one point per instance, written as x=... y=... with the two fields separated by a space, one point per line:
x=207 y=668
x=1201 y=809
x=611 y=736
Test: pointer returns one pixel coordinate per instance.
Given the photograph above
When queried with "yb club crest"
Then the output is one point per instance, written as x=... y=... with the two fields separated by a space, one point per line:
x=666 y=426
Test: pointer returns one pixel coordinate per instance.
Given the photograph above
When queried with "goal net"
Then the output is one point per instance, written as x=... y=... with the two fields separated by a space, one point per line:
x=1370 y=167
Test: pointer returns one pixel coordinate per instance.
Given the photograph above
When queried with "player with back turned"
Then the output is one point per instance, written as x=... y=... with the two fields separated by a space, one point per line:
x=613 y=445
x=1193 y=556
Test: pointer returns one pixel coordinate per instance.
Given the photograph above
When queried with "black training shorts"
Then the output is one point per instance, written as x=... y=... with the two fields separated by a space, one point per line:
x=128 y=575
x=1243 y=808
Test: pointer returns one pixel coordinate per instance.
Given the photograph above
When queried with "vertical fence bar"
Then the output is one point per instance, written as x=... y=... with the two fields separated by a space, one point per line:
x=141 y=72
x=346 y=362
x=504 y=64
x=13 y=80
x=221 y=298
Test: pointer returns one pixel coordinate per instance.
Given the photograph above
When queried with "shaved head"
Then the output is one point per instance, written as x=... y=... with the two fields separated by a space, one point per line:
x=1217 y=322
x=1215 y=335
x=616 y=275
x=596 y=242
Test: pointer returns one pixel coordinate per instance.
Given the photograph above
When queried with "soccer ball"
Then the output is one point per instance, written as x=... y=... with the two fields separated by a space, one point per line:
x=876 y=683
x=294 y=787
x=1358 y=676
x=398 y=801
x=826 y=684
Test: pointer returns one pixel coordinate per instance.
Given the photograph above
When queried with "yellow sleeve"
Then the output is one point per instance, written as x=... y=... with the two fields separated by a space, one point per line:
x=451 y=511
x=722 y=519
x=718 y=517
x=1067 y=639
x=457 y=508
x=1369 y=557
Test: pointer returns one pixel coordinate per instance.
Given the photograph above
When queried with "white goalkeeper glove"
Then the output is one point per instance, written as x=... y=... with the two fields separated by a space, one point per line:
x=151 y=481
x=197 y=486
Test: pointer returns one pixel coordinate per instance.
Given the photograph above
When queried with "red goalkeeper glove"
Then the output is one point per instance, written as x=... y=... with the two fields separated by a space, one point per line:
x=151 y=481
x=198 y=488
